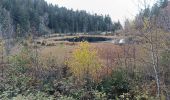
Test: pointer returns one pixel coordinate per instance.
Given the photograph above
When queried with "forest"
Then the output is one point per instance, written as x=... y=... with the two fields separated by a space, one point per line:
x=49 y=52
x=40 y=18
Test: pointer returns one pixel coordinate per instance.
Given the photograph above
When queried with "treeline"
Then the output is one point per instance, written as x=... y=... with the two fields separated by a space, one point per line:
x=38 y=17
x=151 y=29
x=158 y=15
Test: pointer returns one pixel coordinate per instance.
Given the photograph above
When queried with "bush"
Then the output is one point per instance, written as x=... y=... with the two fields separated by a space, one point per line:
x=114 y=85
x=85 y=64
x=66 y=98
x=35 y=96
x=22 y=62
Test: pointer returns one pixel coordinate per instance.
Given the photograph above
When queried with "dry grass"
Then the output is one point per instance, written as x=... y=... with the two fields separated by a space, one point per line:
x=55 y=54
x=112 y=56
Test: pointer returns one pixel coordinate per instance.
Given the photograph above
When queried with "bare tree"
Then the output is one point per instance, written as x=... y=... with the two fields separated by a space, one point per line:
x=147 y=26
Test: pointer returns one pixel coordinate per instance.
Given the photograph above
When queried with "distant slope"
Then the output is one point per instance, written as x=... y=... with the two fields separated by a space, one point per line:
x=21 y=17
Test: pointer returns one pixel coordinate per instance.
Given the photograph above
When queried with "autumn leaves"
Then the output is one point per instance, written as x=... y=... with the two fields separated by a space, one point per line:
x=85 y=62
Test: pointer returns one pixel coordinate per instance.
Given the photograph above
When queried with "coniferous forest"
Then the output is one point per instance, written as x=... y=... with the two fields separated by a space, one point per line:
x=38 y=17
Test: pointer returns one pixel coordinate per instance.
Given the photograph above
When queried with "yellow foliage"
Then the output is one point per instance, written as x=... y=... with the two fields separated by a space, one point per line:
x=1 y=45
x=2 y=50
x=146 y=24
x=84 y=62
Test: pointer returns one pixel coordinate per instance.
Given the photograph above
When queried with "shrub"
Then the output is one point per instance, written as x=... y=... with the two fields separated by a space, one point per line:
x=35 y=96
x=66 y=98
x=114 y=85
x=84 y=62
x=22 y=61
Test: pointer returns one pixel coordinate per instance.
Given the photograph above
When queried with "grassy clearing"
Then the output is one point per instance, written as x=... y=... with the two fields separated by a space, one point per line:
x=58 y=53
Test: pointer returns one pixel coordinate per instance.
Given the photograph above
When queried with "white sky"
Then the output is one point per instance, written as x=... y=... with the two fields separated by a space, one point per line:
x=117 y=9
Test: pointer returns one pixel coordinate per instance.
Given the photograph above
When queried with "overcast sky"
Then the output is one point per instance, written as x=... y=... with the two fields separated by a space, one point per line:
x=117 y=9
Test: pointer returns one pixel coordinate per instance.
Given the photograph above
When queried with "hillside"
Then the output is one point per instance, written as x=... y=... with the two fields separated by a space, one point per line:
x=38 y=17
